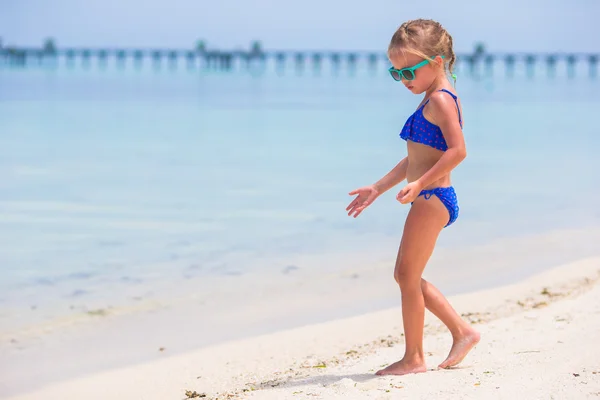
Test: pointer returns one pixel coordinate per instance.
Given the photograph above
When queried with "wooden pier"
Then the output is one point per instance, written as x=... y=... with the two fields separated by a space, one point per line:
x=477 y=62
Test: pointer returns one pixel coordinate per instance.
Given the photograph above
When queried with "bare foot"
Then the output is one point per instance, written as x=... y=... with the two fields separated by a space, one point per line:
x=403 y=367
x=460 y=348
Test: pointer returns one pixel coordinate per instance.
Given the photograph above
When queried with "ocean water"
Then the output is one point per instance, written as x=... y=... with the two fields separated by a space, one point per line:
x=117 y=178
x=124 y=188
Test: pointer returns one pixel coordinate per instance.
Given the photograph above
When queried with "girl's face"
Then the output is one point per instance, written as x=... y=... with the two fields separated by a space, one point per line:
x=424 y=76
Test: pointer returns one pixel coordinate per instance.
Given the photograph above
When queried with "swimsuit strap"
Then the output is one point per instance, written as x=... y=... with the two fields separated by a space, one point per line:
x=427 y=193
x=456 y=101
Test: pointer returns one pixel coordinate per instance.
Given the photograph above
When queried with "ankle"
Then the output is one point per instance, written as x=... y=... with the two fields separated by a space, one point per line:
x=461 y=332
x=414 y=357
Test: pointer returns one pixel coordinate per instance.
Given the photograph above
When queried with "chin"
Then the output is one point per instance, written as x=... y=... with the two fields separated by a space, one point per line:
x=414 y=89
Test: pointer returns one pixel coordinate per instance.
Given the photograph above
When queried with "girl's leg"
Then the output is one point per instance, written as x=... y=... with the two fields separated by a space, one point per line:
x=424 y=223
x=463 y=335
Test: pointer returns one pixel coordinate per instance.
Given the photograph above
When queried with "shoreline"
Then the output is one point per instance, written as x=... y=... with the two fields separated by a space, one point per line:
x=282 y=363
x=539 y=251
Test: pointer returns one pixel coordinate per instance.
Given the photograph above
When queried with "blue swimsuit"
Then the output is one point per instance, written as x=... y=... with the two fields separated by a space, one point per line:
x=419 y=130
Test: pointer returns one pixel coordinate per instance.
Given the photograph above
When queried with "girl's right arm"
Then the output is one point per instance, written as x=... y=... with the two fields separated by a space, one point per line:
x=392 y=178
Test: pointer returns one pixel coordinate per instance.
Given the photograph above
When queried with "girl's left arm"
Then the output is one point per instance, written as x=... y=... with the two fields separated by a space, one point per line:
x=444 y=113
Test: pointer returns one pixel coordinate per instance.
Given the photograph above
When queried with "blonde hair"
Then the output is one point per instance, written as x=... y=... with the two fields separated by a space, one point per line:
x=425 y=38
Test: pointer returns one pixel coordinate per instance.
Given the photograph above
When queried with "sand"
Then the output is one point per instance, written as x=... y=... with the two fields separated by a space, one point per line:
x=540 y=340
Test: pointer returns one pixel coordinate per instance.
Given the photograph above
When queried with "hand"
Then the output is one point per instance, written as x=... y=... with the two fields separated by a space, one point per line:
x=409 y=193
x=366 y=196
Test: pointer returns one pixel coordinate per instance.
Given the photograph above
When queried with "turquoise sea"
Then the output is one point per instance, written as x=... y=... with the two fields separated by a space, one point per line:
x=125 y=192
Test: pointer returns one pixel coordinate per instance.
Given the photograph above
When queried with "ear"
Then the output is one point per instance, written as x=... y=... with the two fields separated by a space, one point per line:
x=439 y=61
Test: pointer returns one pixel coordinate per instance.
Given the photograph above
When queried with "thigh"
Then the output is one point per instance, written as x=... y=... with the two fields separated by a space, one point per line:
x=425 y=221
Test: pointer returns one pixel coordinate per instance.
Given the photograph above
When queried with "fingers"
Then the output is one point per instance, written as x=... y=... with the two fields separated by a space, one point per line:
x=358 y=210
x=352 y=204
x=407 y=198
x=403 y=192
x=404 y=195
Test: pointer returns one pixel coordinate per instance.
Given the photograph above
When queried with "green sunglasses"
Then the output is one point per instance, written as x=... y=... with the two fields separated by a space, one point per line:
x=409 y=72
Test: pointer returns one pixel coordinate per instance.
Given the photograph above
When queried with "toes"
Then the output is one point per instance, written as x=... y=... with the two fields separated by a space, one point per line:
x=450 y=361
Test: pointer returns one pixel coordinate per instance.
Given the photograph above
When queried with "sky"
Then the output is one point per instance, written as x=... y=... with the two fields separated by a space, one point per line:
x=507 y=25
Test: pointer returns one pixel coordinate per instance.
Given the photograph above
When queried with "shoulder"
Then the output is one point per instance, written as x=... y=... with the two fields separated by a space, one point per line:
x=442 y=102
x=442 y=108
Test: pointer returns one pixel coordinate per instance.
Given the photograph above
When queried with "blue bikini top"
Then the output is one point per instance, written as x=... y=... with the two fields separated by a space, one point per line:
x=418 y=129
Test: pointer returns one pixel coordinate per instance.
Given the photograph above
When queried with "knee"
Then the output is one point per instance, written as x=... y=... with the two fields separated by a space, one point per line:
x=426 y=289
x=406 y=278
x=424 y=286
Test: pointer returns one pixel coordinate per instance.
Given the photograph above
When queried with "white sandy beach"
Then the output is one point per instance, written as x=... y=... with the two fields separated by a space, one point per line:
x=539 y=341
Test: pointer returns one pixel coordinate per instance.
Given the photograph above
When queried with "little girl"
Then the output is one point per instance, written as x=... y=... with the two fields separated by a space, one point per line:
x=422 y=55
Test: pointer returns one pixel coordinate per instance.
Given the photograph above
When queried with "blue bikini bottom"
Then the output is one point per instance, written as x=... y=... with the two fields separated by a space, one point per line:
x=447 y=196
